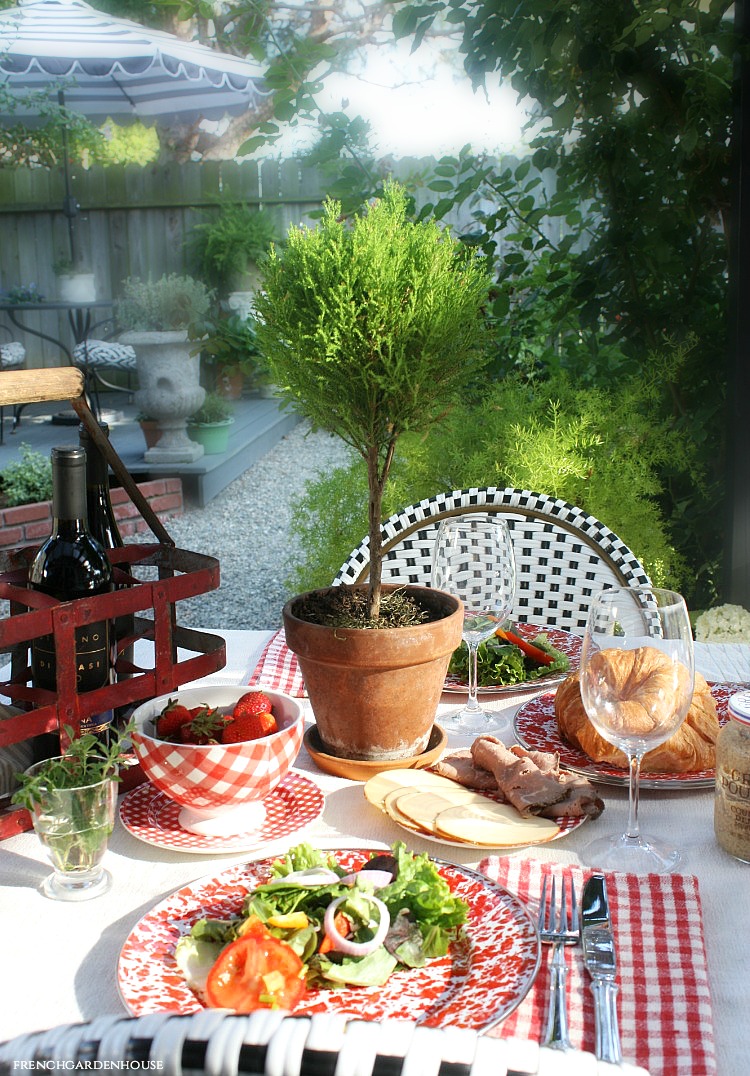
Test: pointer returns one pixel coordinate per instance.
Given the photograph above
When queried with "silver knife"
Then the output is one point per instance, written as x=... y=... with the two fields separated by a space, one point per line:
x=598 y=945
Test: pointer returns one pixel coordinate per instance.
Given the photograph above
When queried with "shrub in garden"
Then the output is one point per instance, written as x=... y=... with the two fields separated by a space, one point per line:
x=26 y=480
x=597 y=448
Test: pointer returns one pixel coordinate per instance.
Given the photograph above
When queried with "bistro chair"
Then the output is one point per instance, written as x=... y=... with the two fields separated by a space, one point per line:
x=12 y=357
x=93 y=356
x=268 y=1042
x=563 y=554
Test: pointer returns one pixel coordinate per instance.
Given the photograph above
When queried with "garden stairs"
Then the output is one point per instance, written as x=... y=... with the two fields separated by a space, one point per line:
x=258 y=425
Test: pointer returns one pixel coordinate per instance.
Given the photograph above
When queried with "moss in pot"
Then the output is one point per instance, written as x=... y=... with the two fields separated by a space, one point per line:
x=371 y=330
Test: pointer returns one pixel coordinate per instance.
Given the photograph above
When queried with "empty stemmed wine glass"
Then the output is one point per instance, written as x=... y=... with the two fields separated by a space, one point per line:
x=473 y=560
x=637 y=675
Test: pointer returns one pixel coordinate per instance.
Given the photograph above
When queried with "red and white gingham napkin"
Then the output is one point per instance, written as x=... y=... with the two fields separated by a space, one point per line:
x=277 y=668
x=664 y=1004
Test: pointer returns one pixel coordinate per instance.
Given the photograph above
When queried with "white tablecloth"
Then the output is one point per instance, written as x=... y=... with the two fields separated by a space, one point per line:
x=59 y=960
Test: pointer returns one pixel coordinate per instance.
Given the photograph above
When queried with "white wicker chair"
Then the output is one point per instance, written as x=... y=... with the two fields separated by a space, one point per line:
x=563 y=554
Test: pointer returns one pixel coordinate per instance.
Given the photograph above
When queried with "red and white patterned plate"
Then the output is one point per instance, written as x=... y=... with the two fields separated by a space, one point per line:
x=562 y=640
x=481 y=980
x=154 y=818
x=536 y=729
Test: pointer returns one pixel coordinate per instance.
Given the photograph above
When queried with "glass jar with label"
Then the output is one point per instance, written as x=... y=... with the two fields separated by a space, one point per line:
x=732 y=799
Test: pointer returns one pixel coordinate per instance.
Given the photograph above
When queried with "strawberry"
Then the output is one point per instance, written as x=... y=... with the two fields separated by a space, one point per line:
x=205 y=726
x=169 y=722
x=253 y=702
x=249 y=727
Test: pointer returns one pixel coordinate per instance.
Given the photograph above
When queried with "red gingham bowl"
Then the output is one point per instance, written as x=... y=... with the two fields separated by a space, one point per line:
x=216 y=778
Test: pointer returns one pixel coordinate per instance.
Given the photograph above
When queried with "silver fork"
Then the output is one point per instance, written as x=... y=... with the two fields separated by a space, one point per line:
x=558 y=929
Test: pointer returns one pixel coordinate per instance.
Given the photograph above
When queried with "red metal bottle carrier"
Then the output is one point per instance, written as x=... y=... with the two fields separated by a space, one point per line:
x=157 y=575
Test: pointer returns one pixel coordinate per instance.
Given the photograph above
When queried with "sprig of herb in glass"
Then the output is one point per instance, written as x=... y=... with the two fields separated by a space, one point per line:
x=87 y=761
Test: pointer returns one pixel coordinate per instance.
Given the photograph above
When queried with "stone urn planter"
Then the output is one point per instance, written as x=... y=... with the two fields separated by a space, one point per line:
x=375 y=691
x=170 y=390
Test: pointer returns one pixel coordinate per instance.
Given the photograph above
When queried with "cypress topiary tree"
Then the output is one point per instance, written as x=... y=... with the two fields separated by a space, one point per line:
x=371 y=330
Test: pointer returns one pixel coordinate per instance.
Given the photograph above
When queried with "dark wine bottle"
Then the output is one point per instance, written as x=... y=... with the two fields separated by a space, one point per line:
x=72 y=564
x=102 y=523
x=103 y=526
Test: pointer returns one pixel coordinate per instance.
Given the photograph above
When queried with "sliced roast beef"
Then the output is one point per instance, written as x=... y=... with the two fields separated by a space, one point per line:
x=529 y=780
x=460 y=766
x=519 y=779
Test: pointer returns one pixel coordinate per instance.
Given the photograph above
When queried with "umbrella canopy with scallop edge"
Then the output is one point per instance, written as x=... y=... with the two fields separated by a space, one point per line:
x=110 y=68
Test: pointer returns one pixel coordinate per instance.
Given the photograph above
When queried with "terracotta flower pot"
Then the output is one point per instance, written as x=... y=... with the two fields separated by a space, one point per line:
x=151 y=431
x=229 y=382
x=375 y=691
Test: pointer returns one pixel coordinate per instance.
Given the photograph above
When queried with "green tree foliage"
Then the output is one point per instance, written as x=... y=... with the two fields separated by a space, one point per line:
x=371 y=331
x=597 y=448
x=627 y=255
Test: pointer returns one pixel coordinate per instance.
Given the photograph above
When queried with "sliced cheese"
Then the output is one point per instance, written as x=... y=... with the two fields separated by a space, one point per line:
x=390 y=806
x=423 y=807
x=493 y=824
x=378 y=787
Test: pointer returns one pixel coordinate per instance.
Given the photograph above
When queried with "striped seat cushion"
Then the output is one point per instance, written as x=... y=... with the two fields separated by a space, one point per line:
x=12 y=355
x=105 y=353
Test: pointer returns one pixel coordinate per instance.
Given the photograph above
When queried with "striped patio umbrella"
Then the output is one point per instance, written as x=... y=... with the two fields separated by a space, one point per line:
x=105 y=67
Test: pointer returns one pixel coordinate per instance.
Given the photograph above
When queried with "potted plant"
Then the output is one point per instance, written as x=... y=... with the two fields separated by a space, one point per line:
x=157 y=318
x=75 y=283
x=149 y=428
x=231 y=342
x=230 y=245
x=210 y=425
x=371 y=330
x=72 y=799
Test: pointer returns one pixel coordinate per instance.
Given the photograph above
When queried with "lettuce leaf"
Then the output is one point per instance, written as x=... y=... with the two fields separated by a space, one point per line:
x=195 y=959
x=500 y=664
x=420 y=889
x=375 y=969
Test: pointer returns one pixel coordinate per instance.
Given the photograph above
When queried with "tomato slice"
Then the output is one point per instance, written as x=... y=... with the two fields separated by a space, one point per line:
x=257 y=971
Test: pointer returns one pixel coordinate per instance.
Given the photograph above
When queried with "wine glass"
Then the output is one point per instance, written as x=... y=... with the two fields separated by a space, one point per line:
x=473 y=560
x=637 y=675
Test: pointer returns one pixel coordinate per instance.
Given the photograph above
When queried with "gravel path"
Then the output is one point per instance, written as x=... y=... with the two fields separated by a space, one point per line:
x=247 y=527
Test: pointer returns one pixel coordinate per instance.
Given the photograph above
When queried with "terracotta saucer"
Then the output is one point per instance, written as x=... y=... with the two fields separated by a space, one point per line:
x=362 y=769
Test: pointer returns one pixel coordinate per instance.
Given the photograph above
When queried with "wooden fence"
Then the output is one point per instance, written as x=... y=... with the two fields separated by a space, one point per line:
x=134 y=221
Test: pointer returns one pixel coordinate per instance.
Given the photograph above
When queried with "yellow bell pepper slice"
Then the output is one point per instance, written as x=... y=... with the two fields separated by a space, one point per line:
x=290 y=921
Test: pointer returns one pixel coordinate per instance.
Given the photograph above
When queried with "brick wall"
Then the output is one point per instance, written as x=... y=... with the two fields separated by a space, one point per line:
x=33 y=522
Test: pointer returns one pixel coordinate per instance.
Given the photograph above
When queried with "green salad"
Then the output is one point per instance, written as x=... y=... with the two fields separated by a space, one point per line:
x=501 y=663
x=347 y=928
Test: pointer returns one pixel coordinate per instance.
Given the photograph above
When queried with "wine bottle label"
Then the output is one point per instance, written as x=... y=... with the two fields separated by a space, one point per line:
x=97 y=723
x=92 y=658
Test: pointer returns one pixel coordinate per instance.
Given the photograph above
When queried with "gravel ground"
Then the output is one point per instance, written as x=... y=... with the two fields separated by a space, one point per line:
x=247 y=527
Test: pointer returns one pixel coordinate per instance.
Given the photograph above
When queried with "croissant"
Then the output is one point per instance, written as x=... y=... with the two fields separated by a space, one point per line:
x=637 y=677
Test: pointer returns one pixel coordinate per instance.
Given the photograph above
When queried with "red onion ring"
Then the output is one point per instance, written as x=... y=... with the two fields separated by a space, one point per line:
x=350 y=948
x=378 y=879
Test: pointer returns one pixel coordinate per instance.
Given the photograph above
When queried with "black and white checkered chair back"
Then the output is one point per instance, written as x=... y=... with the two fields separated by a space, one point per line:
x=268 y=1042
x=563 y=554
